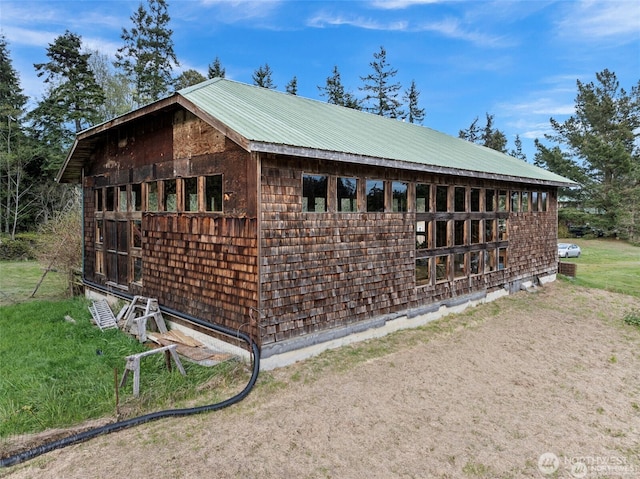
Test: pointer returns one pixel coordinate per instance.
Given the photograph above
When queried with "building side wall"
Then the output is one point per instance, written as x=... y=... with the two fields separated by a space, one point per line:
x=197 y=261
x=321 y=271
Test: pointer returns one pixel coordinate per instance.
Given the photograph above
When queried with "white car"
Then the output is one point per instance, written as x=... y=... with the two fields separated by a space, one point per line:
x=568 y=250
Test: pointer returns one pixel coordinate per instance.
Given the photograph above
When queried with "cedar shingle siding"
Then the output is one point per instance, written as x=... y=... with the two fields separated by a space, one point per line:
x=213 y=222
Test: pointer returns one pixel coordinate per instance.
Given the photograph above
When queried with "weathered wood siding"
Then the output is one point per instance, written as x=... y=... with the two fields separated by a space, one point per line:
x=324 y=270
x=201 y=263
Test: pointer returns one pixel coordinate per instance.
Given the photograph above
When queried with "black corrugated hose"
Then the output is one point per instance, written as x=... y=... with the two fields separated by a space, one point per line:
x=117 y=426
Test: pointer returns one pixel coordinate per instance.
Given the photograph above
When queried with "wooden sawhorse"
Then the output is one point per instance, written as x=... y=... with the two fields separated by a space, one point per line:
x=133 y=364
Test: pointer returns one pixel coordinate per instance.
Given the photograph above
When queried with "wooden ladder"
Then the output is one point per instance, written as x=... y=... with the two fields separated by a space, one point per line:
x=102 y=315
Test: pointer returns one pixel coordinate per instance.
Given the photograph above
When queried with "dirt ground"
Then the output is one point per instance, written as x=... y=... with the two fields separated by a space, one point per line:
x=538 y=385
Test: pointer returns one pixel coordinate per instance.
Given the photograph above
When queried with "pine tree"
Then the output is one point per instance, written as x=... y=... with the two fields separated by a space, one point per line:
x=414 y=113
x=74 y=93
x=517 y=152
x=188 y=78
x=335 y=92
x=292 y=86
x=602 y=136
x=488 y=136
x=147 y=57
x=381 y=92
x=262 y=77
x=216 y=70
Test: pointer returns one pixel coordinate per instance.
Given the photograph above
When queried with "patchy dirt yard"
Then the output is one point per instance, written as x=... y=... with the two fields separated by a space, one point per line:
x=522 y=387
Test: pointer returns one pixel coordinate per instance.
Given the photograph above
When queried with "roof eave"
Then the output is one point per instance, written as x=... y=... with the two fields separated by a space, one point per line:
x=265 y=147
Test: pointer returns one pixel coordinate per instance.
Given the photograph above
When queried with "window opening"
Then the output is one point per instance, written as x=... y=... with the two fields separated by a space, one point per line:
x=170 y=195
x=375 y=195
x=347 y=192
x=422 y=198
x=314 y=193
x=399 y=191
x=213 y=193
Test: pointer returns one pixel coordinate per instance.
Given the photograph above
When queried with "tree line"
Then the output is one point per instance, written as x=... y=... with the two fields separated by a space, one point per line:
x=597 y=147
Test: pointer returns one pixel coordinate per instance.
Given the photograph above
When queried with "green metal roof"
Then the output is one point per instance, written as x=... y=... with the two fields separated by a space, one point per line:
x=274 y=121
x=266 y=120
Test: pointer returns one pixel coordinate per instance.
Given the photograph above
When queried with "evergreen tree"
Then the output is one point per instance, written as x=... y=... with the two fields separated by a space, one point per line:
x=292 y=86
x=602 y=136
x=216 y=70
x=188 y=78
x=382 y=93
x=147 y=57
x=12 y=107
x=74 y=93
x=414 y=113
x=262 y=77
x=488 y=136
x=517 y=152
x=333 y=89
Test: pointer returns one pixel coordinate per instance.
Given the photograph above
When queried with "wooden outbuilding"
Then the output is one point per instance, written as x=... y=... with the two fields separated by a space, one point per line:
x=303 y=222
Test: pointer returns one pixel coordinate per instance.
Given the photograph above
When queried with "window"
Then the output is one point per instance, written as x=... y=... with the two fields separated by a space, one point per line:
x=490 y=231
x=475 y=199
x=99 y=239
x=502 y=258
x=347 y=193
x=442 y=193
x=136 y=197
x=475 y=231
x=442 y=268
x=399 y=191
x=99 y=203
x=190 y=194
x=474 y=262
x=524 y=201
x=170 y=202
x=137 y=270
x=489 y=260
x=502 y=229
x=459 y=199
x=441 y=234
x=544 y=204
x=122 y=198
x=213 y=193
x=459 y=266
x=515 y=201
x=422 y=235
x=152 y=196
x=136 y=234
x=502 y=200
x=111 y=202
x=423 y=271
x=458 y=232
x=490 y=200
x=314 y=193
x=534 y=201
x=375 y=195
x=422 y=198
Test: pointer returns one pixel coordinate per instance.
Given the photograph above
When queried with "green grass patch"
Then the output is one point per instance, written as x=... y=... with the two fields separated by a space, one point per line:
x=55 y=373
x=18 y=279
x=607 y=264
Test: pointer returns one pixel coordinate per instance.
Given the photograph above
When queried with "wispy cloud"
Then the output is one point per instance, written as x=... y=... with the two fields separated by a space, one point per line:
x=400 y=4
x=592 y=20
x=454 y=28
x=322 y=20
x=232 y=11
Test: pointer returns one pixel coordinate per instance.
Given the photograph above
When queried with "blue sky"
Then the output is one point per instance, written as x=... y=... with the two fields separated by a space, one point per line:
x=518 y=60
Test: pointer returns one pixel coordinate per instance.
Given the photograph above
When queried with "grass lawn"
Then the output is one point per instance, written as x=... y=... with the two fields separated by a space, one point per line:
x=18 y=279
x=56 y=373
x=607 y=264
